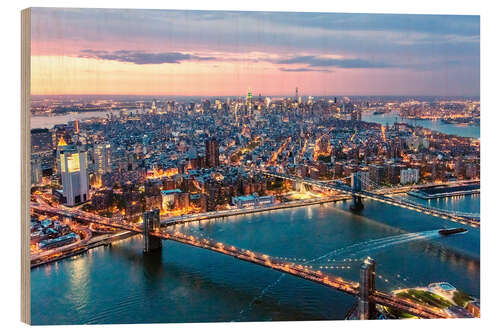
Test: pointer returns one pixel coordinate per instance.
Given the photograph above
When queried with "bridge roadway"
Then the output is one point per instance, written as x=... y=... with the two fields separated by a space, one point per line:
x=381 y=198
x=337 y=283
x=169 y=221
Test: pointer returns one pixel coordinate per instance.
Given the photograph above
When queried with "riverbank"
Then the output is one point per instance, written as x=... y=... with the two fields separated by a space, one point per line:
x=100 y=240
x=440 y=295
x=471 y=131
x=446 y=191
x=107 y=239
x=164 y=280
x=244 y=211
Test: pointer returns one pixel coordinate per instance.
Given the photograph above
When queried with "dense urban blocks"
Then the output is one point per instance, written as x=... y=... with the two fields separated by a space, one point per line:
x=181 y=161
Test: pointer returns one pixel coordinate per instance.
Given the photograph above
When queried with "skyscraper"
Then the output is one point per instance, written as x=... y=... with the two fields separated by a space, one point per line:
x=212 y=153
x=249 y=100
x=76 y=125
x=59 y=131
x=296 y=94
x=153 y=106
x=102 y=158
x=74 y=174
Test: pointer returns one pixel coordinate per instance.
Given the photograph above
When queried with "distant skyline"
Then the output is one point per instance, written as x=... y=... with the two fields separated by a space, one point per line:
x=214 y=53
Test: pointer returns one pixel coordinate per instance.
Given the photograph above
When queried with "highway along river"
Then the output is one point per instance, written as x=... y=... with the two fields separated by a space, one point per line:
x=119 y=284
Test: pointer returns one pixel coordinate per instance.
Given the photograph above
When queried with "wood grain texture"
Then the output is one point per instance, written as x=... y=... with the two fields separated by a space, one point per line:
x=25 y=164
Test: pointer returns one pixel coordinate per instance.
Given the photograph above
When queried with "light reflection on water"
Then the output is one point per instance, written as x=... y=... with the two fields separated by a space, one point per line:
x=119 y=284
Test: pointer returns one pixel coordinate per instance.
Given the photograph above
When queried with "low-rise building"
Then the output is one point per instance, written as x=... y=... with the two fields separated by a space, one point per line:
x=252 y=200
x=168 y=197
x=409 y=176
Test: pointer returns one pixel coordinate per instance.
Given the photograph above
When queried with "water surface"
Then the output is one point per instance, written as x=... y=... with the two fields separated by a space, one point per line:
x=120 y=284
x=471 y=131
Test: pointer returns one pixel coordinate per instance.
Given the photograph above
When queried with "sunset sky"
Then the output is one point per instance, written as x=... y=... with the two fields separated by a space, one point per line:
x=205 y=53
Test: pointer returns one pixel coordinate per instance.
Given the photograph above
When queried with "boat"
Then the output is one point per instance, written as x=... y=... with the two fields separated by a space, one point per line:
x=452 y=231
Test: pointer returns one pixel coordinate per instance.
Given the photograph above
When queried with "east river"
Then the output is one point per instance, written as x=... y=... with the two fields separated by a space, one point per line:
x=120 y=284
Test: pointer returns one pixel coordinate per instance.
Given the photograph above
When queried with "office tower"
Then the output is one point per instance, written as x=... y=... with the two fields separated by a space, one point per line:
x=296 y=94
x=249 y=100
x=378 y=173
x=212 y=153
x=322 y=146
x=355 y=115
x=267 y=100
x=74 y=175
x=76 y=125
x=58 y=132
x=102 y=158
x=59 y=145
x=153 y=106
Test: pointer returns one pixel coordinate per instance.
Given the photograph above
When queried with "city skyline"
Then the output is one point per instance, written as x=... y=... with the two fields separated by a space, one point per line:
x=212 y=53
x=334 y=157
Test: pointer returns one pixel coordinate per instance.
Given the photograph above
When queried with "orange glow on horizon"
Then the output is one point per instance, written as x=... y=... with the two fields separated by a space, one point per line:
x=60 y=75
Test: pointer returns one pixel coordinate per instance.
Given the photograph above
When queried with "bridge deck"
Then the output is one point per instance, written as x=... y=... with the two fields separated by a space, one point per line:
x=381 y=198
x=337 y=283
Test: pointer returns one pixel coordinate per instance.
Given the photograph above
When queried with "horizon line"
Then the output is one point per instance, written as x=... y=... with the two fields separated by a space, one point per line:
x=262 y=95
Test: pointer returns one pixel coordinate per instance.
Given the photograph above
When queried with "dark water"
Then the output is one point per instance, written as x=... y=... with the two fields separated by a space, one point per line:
x=119 y=284
x=470 y=131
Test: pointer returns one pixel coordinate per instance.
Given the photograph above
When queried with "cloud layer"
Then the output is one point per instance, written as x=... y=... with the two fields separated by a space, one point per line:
x=142 y=58
x=314 y=61
x=439 y=50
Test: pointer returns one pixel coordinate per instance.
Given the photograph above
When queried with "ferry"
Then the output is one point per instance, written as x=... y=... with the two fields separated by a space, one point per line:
x=452 y=231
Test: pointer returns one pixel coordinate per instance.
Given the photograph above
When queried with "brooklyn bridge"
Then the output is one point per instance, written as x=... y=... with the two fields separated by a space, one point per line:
x=153 y=233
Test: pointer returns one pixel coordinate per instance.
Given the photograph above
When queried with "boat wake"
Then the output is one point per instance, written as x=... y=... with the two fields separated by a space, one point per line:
x=371 y=246
x=354 y=250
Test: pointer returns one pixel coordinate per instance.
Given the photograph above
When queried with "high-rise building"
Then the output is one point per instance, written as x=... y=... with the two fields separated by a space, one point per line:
x=377 y=173
x=76 y=125
x=74 y=174
x=153 y=106
x=355 y=115
x=212 y=153
x=296 y=94
x=322 y=146
x=102 y=158
x=249 y=100
x=60 y=131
